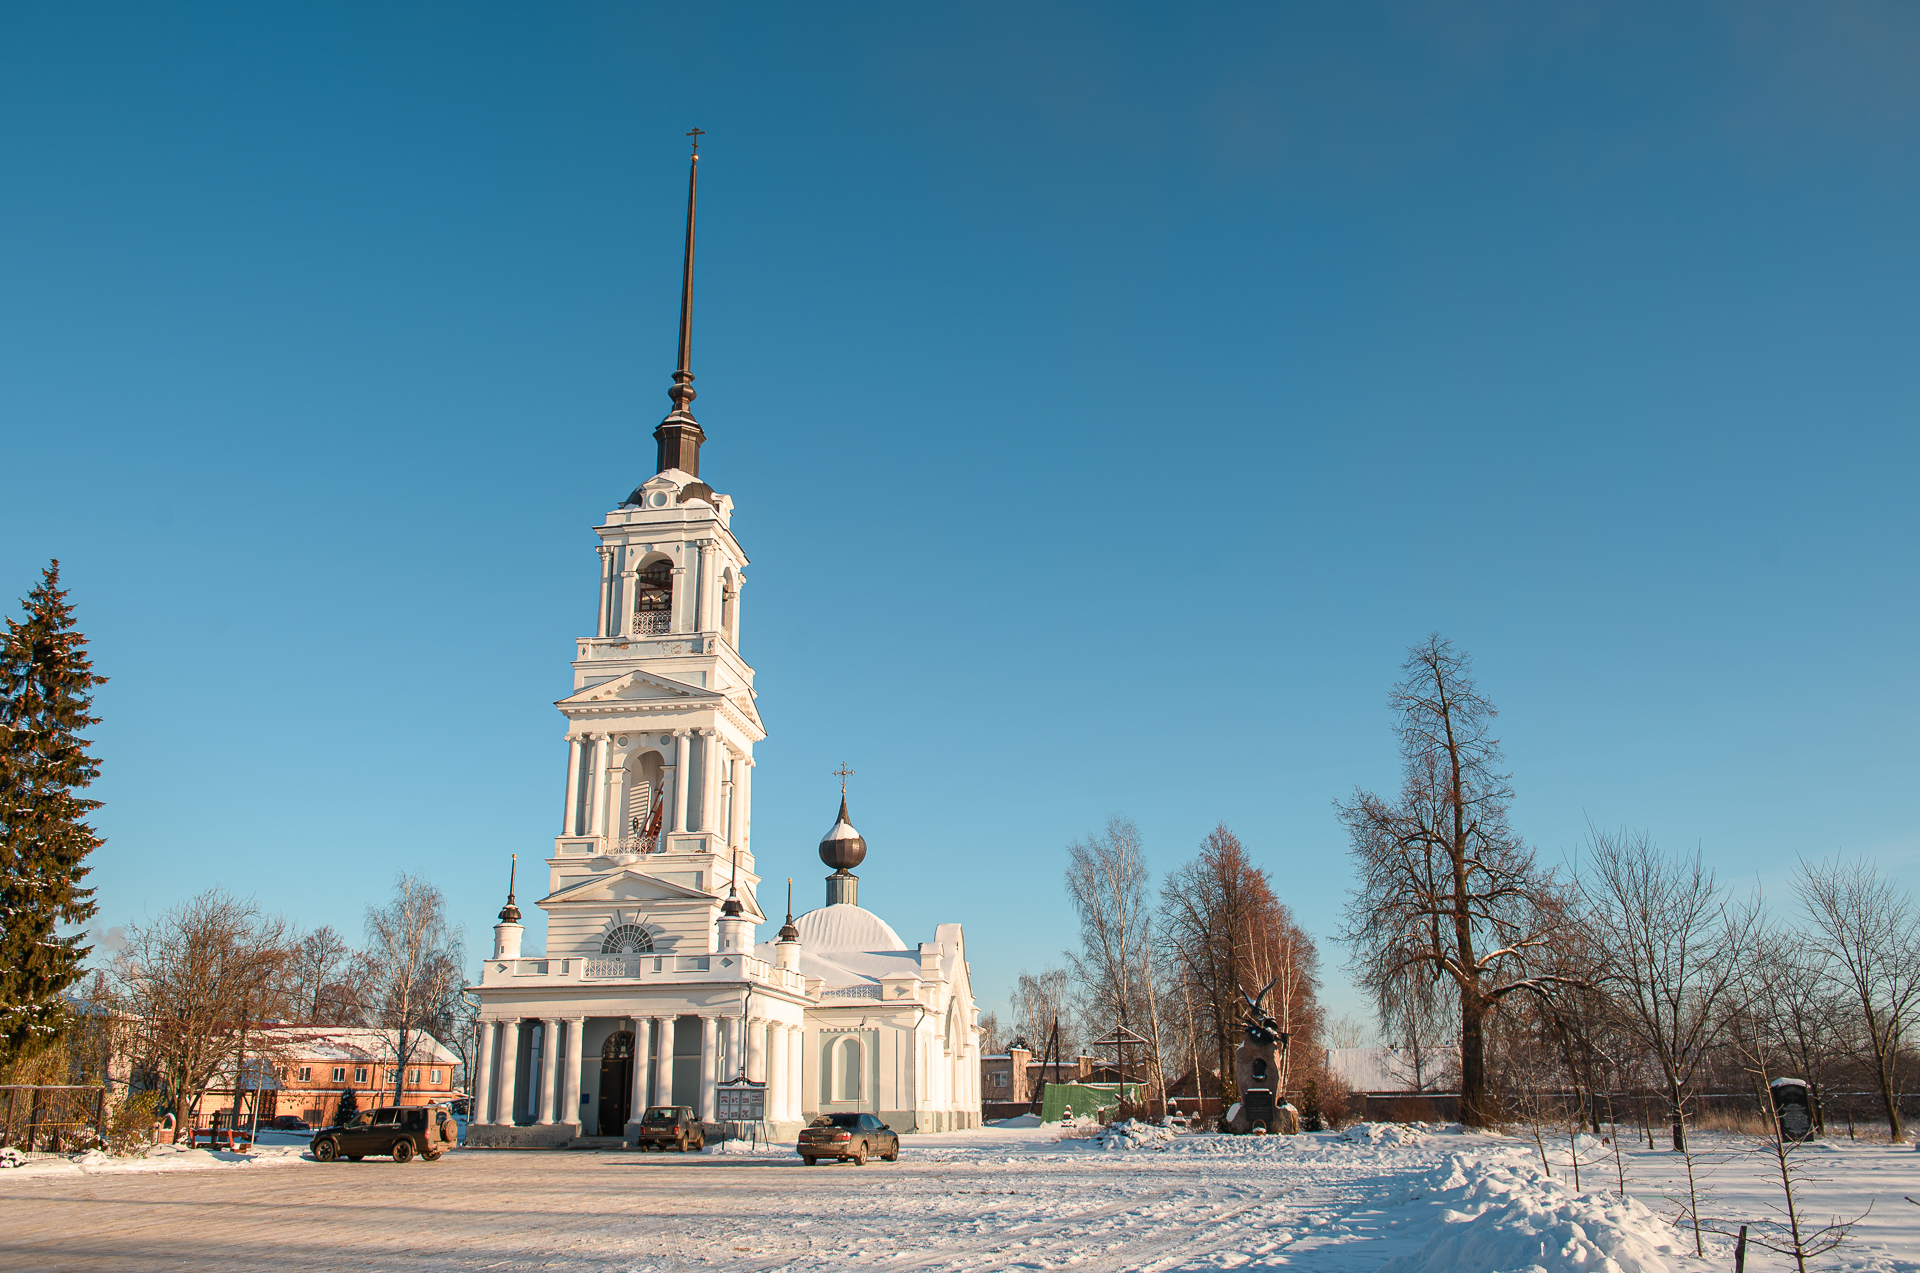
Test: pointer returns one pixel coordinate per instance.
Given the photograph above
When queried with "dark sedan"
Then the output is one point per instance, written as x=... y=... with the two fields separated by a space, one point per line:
x=851 y=1138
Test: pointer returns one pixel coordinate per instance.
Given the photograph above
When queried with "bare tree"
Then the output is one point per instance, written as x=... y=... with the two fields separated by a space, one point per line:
x=1224 y=935
x=1039 y=1002
x=1447 y=892
x=319 y=988
x=1347 y=1031
x=412 y=971
x=191 y=981
x=991 y=1044
x=1107 y=882
x=1869 y=932
x=1672 y=950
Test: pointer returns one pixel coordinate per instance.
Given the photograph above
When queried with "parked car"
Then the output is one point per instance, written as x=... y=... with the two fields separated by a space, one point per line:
x=675 y=1125
x=289 y=1123
x=851 y=1138
x=400 y=1132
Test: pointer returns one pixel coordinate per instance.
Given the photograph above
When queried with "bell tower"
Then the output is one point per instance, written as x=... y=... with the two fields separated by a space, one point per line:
x=661 y=722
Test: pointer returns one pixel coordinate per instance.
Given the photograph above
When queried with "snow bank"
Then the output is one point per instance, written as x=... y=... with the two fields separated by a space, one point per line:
x=1133 y=1134
x=1387 y=1133
x=151 y=1158
x=748 y=1149
x=1018 y=1120
x=1506 y=1217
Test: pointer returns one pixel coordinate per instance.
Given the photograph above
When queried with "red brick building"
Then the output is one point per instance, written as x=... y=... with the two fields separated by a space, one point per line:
x=305 y=1070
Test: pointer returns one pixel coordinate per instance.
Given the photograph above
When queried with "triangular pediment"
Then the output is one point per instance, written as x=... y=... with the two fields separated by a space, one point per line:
x=641 y=687
x=626 y=884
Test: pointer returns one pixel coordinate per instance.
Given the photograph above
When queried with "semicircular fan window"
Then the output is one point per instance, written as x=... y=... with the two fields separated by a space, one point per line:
x=628 y=939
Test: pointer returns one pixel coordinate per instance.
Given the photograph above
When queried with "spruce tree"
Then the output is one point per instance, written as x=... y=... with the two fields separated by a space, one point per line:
x=46 y=684
x=348 y=1110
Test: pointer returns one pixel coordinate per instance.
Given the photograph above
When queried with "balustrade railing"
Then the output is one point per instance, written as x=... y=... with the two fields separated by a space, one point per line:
x=652 y=622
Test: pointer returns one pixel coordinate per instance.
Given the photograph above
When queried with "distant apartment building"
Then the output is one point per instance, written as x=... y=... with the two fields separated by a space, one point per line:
x=1013 y=1077
x=306 y=1070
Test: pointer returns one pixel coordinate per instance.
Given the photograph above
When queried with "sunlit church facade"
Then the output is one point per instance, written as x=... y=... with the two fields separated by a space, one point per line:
x=654 y=987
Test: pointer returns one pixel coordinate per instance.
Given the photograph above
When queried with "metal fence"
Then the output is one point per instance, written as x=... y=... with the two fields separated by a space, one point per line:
x=51 y=1117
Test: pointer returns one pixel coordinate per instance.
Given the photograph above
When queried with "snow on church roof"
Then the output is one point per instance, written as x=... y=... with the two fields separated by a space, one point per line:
x=845 y=927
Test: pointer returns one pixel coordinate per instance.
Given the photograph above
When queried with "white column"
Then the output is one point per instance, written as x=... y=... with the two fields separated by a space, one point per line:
x=482 y=1079
x=549 y=1066
x=628 y=615
x=736 y=807
x=606 y=588
x=706 y=618
x=776 y=1073
x=709 y=1049
x=576 y=1028
x=596 y=816
x=797 y=1088
x=757 y=1049
x=616 y=794
x=743 y=797
x=682 y=612
x=663 y=1063
x=680 y=748
x=710 y=780
x=508 y=1109
x=637 y=1099
x=573 y=786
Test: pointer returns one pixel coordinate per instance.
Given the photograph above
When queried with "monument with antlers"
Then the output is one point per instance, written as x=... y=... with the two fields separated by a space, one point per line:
x=1257 y=1070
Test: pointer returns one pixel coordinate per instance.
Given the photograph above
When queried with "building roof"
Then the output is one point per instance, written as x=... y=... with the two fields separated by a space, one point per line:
x=845 y=927
x=355 y=1043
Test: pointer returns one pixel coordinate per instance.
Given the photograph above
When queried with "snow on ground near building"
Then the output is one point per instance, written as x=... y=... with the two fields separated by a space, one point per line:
x=1373 y=1198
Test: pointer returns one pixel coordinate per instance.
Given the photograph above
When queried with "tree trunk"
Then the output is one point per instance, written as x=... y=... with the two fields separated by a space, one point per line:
x=1475 y=1110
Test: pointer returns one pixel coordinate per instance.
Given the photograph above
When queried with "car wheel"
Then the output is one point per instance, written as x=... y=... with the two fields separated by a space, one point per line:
x=893 y=1155
x=700 y=1142
x=680 y=1144
x=434 y=1157
x=403 y=1151
x=809 y=1159
x=860 y=1156
x=326 y=1151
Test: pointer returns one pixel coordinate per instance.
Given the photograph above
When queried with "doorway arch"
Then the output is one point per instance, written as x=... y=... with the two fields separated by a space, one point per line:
x=616 y=1082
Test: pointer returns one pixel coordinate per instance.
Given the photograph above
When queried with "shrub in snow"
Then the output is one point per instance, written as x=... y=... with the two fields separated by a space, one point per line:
x=11 y=1157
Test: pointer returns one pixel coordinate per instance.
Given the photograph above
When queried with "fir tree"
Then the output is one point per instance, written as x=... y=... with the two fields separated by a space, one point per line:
x=348 y=1110
x=46 y=683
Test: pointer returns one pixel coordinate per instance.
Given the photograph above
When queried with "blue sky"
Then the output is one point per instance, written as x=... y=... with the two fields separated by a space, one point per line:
x=1110 y=395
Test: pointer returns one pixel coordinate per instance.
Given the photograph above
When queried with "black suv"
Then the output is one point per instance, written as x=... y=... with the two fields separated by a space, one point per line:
x=401 y=1132
x=673 y=1125
x=850 y=1137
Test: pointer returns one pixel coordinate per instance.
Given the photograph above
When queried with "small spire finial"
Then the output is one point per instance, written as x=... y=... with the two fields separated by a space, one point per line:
x=787 y=930
x=843 y=773
x=510 y=914
x=732 y=907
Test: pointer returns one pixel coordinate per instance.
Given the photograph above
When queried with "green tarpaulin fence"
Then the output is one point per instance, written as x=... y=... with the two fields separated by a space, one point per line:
x=1083 y=1099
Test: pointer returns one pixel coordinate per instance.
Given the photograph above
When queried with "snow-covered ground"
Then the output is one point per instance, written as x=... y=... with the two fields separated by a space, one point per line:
x=1378 y=1197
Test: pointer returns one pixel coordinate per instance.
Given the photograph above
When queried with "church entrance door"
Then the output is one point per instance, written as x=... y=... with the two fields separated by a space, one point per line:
x=616 y=1083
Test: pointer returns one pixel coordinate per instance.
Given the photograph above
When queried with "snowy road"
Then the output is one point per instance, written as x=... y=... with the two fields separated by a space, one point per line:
x=983 y=1200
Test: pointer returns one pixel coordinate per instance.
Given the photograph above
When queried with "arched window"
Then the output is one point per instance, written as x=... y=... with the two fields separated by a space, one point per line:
x=847 y=1070
x=653 y=599
x=628 y=939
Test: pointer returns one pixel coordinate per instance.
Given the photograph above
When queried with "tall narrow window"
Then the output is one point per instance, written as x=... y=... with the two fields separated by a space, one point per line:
x=583 y=786
x=653 y=600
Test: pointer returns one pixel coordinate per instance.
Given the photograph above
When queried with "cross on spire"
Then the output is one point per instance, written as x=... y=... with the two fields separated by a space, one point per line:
x=843 y=773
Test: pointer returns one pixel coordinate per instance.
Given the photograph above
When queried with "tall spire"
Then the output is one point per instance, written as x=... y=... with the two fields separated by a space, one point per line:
x=680 y=435
x=510 y=914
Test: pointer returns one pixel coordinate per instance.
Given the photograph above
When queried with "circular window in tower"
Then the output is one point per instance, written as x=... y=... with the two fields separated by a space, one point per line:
x=659 y=499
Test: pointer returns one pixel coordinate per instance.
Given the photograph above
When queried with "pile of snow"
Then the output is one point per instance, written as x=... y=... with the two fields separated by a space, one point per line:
x=11 y=1157
x=1386 y=1134
x=1510 y=1217
x=748 y=1149
x=1133 y=1134
x=1018 y=1120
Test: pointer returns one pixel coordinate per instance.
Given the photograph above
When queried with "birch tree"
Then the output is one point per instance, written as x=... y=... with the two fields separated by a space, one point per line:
x=412 y=975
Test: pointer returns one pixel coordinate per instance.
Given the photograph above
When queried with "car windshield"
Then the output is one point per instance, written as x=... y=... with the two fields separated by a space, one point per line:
x=662 y=1114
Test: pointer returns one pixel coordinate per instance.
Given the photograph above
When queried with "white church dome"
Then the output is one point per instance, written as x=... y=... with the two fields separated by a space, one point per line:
x=845 y=927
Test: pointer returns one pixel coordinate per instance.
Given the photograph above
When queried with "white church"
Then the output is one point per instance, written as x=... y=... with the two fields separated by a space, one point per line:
x=654 y=988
